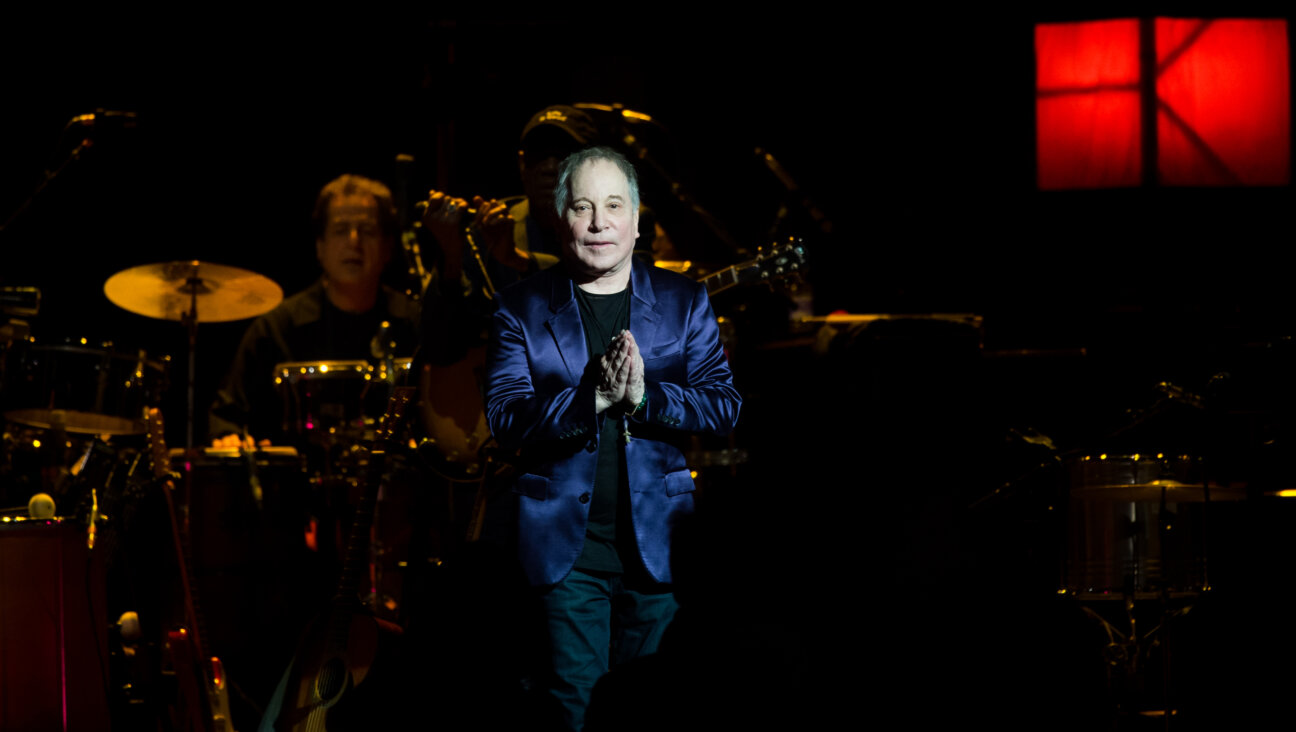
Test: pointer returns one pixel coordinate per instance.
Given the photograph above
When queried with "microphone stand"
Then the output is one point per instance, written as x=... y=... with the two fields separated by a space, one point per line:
x=48 y=178
x=121 y=119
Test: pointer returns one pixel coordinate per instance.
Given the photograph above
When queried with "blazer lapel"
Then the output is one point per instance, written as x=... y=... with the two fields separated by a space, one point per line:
x=644 y=318
x=565 y=327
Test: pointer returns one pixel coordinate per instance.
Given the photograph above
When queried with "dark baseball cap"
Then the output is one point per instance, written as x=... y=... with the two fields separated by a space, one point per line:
x=577 y=124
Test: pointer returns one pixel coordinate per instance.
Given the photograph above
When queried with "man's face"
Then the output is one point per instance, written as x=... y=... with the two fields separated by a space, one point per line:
x=538 y=165
x=539 y=174
x=602 y=224
x=353 y=250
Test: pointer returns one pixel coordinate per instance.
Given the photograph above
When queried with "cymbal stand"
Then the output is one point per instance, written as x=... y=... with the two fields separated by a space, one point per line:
x=190 y=320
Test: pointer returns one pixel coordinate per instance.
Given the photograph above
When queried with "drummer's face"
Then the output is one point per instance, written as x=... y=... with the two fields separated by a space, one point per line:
x=353 y=249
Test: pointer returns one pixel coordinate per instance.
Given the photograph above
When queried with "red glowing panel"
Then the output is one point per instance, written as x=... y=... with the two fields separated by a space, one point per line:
x=1223 y=98
x=1087 y=104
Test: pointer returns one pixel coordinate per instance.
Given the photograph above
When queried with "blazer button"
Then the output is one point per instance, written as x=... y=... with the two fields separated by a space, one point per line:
x=584 y=498
x=592 y=445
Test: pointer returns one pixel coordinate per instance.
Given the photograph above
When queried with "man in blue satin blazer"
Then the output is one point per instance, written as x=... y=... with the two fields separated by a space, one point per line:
x=598 y=372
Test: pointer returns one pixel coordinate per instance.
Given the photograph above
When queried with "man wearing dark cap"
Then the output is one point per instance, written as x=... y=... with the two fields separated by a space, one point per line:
x=549 y=136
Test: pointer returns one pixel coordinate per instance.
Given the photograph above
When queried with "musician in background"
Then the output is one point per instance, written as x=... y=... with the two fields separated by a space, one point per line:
x=348 y=314
x=550 y=135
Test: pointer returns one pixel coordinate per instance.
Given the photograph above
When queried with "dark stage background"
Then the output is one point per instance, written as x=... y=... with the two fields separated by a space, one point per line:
x=912 y=135
x=911 y=132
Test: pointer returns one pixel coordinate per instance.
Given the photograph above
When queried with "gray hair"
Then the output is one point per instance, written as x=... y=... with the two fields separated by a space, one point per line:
x=573 y=162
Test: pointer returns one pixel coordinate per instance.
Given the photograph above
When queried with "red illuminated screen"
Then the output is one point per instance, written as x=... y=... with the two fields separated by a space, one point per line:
x=1222 y=100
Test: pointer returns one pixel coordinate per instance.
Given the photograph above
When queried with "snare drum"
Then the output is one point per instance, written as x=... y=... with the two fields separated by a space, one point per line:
x=330 y=401
x=1118 y=537
x=81 y=389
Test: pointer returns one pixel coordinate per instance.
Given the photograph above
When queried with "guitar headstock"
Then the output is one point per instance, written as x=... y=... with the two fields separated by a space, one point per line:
x=782 y=259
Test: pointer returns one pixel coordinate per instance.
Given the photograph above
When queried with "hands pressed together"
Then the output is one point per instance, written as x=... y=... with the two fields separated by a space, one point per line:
x=622 y=375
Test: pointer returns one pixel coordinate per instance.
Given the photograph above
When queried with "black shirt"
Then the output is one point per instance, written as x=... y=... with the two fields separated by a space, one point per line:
x=603 y=317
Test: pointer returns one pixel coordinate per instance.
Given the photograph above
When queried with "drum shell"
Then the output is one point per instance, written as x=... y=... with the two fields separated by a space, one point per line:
x=228 y=529
x=328 y=403
x=52 y=637
x=81 y=389
x=1136 y=524
x=257 y=581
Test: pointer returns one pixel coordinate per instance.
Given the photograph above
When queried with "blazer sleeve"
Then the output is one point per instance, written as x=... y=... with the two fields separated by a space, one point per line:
x=528 y=403
x=707 y=401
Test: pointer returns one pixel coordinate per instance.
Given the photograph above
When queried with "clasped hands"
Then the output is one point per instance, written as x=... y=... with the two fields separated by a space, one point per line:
x=621 y=371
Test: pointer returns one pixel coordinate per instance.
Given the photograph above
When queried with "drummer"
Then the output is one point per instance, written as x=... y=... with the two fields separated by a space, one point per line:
x=347 y=314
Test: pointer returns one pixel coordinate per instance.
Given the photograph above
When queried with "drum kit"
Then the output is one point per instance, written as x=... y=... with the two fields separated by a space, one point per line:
x=73 y=393
x=77 y=416
x=77 y=390
x=1146 y=522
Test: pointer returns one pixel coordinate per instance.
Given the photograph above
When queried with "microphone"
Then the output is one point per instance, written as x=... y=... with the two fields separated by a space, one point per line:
x=421 y=208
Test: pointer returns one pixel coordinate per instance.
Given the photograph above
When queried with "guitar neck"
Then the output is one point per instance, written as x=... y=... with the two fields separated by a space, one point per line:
x=208 y=699
x=356 y=560
x=725 y=278
x=784 y=260
x=184 y=558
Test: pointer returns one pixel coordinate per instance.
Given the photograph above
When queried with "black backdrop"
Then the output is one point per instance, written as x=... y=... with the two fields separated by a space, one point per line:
x=911 y=130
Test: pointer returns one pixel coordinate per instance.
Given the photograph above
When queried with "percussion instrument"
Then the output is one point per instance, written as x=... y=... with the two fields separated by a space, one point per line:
x=211 y=293
x=80 y=388
x=332 y=402
x=1134 y=524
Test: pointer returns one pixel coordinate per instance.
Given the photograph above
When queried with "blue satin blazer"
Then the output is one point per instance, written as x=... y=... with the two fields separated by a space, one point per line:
x=540 y=401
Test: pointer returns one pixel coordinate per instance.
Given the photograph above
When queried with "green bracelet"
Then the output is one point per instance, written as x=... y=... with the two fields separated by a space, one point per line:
x=643 y=402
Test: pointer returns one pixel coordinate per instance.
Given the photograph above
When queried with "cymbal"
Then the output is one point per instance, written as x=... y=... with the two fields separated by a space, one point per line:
x=1175 y=492
x=166 y=291
x=1144 y=477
